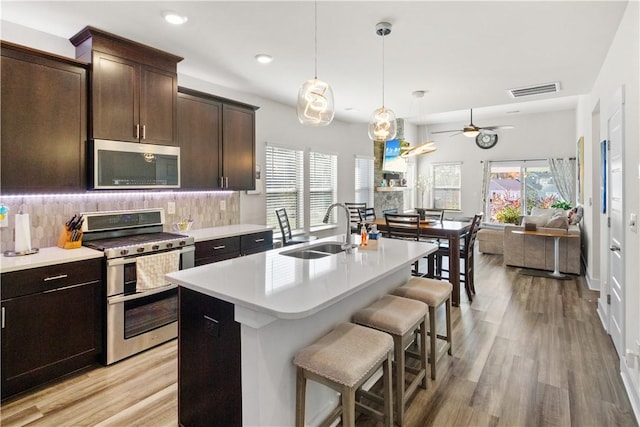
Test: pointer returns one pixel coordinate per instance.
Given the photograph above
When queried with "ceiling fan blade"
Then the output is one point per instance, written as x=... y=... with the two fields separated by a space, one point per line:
x=488 y=131
x=498 y=127
x=446 y=131
x=457 y=133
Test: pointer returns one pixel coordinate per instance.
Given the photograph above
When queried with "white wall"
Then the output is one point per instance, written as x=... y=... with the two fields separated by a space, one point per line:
x=535 y=136
x=620 y=68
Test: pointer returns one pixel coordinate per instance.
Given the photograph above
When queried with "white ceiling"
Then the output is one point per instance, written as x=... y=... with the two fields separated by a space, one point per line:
x=464 y=54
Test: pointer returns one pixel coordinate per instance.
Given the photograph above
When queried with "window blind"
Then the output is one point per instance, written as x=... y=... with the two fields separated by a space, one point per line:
x=364 y=180
x=323 y=183
x=447 y=183
x=284 y=172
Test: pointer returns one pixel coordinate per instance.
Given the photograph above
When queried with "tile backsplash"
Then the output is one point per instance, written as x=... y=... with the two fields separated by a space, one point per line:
x=48 y=213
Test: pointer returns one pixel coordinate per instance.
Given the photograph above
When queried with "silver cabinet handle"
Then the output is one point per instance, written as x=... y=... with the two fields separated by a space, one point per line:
x=59 y=276
x=614 y=248
x=2 y=317
x=219 y=247
x=259 y=240
x=144 y=131
x=138 y=131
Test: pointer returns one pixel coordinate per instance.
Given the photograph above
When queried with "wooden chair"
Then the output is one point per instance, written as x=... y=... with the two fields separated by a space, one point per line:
x=466 y=255
x=389 y=211
x=285 y=229
x=367 y=214
x=354 y=211
x=404 y=226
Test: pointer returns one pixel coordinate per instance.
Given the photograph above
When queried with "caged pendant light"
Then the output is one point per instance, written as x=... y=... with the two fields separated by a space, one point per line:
x=382 y=124
x=315 y=106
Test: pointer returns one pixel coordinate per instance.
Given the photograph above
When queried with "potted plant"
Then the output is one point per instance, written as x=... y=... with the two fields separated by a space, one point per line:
x=562 y=205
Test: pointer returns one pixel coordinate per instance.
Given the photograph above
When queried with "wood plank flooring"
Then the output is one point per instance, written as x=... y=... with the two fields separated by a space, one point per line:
x=529 y=351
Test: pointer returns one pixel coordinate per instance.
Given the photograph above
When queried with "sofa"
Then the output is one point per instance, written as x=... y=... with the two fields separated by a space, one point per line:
x=529 y=251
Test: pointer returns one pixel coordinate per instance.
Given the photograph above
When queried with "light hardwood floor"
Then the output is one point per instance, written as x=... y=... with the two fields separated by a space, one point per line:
x=529 y=351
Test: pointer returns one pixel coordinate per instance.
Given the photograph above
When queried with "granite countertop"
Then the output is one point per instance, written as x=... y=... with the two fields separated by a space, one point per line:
x=47 y=256
x=291 y=288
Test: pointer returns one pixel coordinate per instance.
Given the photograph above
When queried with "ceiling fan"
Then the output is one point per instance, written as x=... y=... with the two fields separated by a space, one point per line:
x=472 y=130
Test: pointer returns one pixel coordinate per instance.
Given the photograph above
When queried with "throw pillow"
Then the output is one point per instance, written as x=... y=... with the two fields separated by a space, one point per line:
x=558 y=220
x=575 y=215
x=539 y=220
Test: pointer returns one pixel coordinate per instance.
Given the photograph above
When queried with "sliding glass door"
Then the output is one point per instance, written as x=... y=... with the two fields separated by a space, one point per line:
x=514 y=188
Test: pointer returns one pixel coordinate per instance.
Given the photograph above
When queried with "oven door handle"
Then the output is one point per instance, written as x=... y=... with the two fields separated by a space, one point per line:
x=121 y=299
x=131 y=260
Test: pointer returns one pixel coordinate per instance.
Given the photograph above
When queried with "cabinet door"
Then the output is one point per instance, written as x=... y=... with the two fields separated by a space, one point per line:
x=209 y=362
x=49 y=334
x=43 y=125
x=238 y=147
x=158 y=104
x=199 y=140
x=116 y=100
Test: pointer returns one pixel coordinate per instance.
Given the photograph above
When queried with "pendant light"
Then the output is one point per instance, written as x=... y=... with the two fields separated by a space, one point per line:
x=382 y=124
x=315 y=105
x=426 y=146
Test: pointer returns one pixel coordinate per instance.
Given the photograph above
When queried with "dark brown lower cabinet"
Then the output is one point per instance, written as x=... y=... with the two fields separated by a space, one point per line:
x=215 y=250
x=209 y=362
x=51 y=323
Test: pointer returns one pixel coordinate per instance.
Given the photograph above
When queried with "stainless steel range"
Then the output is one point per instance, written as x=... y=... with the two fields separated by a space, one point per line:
x=141 y=308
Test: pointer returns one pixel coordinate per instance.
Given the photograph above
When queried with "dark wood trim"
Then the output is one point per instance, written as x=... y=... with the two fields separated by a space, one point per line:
x=20 y=49
x=197 y=93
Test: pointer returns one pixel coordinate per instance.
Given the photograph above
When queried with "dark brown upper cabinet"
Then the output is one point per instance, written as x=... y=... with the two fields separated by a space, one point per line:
x=217 y=142
x=44 y=122
x=134 y=88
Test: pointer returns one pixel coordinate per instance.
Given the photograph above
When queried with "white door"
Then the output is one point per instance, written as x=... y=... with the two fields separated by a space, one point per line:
x=615 y=129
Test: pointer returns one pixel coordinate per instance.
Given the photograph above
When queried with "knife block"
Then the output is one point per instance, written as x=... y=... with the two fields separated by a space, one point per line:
x=65 y=242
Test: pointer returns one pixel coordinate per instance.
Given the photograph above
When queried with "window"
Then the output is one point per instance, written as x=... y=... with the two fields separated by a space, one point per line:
x=364 y=180
x=446 y=178
x=514 y=188
x=322 y=186
x=305 y=184
x=284 y=174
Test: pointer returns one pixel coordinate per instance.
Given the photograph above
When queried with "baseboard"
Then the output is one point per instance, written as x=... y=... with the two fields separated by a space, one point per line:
x=631 y=391
x=592 y=284
x=602 y=315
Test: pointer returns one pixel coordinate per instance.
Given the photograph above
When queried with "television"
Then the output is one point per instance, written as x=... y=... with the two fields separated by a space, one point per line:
x=392 y=162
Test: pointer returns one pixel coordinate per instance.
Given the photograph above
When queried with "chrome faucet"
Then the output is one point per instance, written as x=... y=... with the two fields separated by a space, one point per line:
x=347 y=246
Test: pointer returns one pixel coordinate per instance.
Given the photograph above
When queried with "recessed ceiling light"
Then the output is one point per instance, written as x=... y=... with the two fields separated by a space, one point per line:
x=263 y=58
x=174 y=18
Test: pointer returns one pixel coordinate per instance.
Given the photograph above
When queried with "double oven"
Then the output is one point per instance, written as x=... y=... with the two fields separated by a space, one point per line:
x=136 y=319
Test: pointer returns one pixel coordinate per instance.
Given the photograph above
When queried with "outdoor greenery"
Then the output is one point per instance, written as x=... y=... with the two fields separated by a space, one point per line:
x=563 y=205
x=508 y=215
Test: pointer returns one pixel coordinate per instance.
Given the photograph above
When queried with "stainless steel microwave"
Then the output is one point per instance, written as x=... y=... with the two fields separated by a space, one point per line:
x=116 y=165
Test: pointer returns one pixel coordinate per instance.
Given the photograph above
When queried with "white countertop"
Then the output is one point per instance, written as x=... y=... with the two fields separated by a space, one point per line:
x=210 y=233
x=291 y=288
x=47 y=256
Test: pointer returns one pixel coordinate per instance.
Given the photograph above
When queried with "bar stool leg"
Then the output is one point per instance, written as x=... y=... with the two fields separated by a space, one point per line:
x=301 y=389
x=387 y=383
x=448 y=322
x=398 y=351
x=433 y=335
x=348 y=407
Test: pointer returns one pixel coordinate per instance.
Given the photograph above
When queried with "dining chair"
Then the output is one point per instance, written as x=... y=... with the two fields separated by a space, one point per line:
x=431 y=214
x=285 y=229
x=354 y=212
x=404 y=226
x=389 y=211
x=466 y=255
x=367 y=214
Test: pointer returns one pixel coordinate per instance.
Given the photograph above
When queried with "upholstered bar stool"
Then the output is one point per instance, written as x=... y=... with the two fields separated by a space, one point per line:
x=434 y=293
x=343 y=360
x=399 y=317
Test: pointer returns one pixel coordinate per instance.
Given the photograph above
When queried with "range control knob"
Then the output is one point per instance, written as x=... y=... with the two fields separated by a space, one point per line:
x=155 y=247
x=140 y=250
x=124 y=251
x=169 y=245
x=182 y=243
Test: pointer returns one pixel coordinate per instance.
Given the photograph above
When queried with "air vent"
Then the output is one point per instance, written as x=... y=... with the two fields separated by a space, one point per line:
x=534 y=90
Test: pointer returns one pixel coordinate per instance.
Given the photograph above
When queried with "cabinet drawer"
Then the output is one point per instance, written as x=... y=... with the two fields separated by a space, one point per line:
x=40 y=279
x=218 y=247
x=256 y=242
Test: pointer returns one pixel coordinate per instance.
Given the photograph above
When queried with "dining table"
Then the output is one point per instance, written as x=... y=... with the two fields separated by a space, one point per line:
x=454 y=232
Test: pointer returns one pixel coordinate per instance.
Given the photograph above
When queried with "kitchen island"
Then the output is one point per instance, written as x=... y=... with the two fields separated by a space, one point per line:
x=242 y=321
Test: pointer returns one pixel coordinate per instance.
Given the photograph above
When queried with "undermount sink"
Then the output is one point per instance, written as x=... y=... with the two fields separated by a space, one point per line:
x=319 y=250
